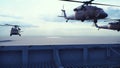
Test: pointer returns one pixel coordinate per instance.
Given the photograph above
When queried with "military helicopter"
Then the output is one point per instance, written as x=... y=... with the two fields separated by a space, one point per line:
x=111 y=26
x=86 y=11
x=15 y=30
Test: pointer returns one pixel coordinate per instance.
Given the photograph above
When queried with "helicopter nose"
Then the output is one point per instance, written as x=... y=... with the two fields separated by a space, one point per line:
x=104 y=15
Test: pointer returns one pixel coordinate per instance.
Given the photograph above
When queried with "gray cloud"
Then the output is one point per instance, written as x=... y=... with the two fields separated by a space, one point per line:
x=21 y=24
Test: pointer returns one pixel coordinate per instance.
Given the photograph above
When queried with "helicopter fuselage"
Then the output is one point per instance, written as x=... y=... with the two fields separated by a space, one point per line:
x=110 y=26
x=87 y=13
x=15 y=31
x=114 y=26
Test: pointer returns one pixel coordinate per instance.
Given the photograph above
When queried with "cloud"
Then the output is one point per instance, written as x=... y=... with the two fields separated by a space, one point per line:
x=113 y=13
x=20 y=23
x=9 y=16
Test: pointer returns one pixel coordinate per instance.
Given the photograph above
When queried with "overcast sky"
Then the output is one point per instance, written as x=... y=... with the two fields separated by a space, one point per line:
x=40 y=17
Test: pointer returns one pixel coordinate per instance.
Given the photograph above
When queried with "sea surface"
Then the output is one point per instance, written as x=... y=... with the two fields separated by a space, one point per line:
x=54 y=40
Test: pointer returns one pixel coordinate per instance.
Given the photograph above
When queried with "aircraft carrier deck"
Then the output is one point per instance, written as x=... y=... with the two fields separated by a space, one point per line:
x=61 y=56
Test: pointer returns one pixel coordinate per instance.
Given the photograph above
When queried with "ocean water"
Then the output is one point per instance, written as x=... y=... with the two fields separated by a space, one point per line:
x=54 y=40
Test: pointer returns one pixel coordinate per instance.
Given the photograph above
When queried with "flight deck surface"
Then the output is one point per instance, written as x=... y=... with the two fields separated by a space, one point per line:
x=16 y=40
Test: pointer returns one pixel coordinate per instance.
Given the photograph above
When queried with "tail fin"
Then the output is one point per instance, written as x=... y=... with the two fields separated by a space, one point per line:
x=63 y=13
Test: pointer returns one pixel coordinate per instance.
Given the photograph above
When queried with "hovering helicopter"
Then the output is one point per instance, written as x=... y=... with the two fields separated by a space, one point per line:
x=86 y=11
x=111 y=26
x=15 y=30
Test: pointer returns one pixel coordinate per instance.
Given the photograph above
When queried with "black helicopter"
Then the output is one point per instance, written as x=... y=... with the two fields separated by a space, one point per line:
x=87 y=11
x=111 y=26
x=15 y=30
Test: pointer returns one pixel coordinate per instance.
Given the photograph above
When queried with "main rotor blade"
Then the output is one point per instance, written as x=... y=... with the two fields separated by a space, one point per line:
x=9 y=25
x=5 y=25
x=73 y=1
x=105 y=4
x=91 y=3
x=1 y=25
